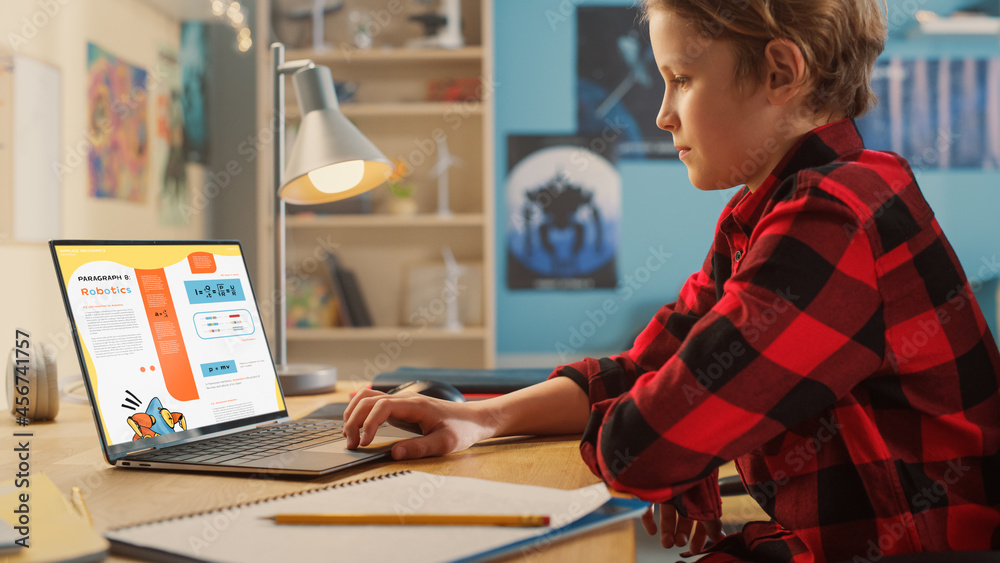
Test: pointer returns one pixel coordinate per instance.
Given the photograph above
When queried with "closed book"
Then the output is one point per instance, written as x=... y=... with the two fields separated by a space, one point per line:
x=360 y=316
x=468 y=381
x=343 y=314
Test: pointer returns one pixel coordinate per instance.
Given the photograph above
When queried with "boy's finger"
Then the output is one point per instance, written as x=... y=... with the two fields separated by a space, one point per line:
x=433 y=444
x=362 y=394
x=380 y=412
x=668 y=522
x=683 y=531
x=648 y=522
x=713 y=530
x=698 y=537
x=352 y=424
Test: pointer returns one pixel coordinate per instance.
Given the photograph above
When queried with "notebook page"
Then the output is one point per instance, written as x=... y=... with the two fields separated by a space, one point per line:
x=241 y=534
x=57 y=531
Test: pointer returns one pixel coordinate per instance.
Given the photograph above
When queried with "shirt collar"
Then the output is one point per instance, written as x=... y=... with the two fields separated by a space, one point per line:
x=821 y=146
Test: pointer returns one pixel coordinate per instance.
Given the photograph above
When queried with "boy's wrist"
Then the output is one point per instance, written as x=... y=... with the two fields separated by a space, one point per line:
x=488 y=415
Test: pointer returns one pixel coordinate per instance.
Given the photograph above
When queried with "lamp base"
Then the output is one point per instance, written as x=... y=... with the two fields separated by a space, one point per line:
x=307 y=379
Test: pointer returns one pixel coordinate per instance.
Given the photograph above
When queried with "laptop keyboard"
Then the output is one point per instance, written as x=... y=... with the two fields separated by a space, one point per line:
x=252 y=445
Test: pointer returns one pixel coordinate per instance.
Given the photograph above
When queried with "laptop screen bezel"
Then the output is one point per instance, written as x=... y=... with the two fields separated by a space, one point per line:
x=113 y=452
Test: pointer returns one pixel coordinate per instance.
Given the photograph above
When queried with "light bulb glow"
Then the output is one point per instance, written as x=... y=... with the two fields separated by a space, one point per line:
x=338 y=177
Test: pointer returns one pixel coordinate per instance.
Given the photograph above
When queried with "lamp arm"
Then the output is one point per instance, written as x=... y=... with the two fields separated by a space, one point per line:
x=281 y=68
x=291 y=67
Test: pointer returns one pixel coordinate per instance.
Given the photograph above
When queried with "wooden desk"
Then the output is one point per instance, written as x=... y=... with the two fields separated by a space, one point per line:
x=68 y=451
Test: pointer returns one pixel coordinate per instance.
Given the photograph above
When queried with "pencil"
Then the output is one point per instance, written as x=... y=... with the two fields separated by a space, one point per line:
x=526 y=521
x=81 y=506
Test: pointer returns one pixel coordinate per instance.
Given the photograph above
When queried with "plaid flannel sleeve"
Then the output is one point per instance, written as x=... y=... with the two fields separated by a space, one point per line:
x=607 y=378
x=799 y=324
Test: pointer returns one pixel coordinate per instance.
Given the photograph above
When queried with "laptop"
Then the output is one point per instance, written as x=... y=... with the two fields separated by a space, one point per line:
x=177 y=367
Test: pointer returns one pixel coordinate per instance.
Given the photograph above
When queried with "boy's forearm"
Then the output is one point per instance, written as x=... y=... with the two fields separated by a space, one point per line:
x=555 y=406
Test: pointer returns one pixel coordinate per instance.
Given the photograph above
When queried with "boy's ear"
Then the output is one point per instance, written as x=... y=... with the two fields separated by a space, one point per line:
x=786 y=70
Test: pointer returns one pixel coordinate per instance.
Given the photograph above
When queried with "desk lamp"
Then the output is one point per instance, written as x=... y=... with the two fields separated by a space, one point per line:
x=331 y=160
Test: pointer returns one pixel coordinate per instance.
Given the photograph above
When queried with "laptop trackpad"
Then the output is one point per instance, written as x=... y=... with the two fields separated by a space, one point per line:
x=334 y=454
x=384 y=439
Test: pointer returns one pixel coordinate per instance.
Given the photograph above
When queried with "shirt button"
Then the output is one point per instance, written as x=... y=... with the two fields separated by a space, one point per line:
x=738 y=255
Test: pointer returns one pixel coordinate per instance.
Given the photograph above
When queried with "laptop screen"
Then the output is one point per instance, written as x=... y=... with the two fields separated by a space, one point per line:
x=170 y=339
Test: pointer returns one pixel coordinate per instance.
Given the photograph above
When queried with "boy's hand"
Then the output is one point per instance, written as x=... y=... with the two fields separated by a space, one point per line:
x=675 y=530
x=447 y=427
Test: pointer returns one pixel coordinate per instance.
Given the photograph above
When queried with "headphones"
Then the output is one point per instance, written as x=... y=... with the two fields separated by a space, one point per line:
x=43 y=381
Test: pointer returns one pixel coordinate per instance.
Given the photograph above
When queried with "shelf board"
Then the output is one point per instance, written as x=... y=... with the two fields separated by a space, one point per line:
x=350 y=56
x=401 y=109
x=967 y=25
x=376 y=334
x=381 y=221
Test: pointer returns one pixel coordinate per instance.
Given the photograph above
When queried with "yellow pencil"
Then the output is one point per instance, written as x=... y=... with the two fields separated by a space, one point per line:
x=526 y=521
x=81 y=506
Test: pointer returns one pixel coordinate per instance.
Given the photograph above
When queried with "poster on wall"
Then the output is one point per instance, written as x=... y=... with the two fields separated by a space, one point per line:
x=168 y=142
x=117 y=102
x=563 y=212
x=618 y=87
x=193 y=58
x=937 y=113
x=6 y=152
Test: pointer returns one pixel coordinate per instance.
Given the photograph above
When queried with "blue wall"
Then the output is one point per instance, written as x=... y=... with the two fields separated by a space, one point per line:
x=535 y=62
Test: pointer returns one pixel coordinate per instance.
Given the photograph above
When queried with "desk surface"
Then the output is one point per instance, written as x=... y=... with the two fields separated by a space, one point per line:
x=68 y=451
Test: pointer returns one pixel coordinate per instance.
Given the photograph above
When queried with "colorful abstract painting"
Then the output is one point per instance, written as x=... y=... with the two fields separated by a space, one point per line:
x=117 y=104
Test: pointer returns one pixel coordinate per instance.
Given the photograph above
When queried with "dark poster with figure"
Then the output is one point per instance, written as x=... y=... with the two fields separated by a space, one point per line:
x=619 y=89
x=563 y=212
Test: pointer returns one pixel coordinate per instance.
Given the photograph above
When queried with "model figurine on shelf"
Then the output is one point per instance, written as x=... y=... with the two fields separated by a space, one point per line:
x=453 y=270
x=445 y=162
x=442 y=29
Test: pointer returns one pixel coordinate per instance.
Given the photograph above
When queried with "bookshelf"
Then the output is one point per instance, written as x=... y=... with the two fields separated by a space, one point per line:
x=392 y=109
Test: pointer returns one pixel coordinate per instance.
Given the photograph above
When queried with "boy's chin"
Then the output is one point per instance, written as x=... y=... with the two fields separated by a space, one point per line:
x=709 y=185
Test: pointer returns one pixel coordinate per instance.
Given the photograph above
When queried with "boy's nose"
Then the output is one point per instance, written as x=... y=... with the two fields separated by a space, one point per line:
x=666 y=119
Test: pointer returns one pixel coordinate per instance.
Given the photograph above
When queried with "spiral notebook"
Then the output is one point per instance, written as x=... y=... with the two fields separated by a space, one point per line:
x=243 y=533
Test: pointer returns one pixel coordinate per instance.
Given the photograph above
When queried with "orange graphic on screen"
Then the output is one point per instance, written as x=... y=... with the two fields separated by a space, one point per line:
x=201 y=263
x=170 y=349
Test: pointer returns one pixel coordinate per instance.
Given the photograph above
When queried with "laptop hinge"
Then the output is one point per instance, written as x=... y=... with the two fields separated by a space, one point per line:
x=268 y=423
x=137 y=452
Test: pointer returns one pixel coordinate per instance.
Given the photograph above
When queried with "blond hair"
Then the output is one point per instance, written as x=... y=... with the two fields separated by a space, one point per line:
x=839 y=40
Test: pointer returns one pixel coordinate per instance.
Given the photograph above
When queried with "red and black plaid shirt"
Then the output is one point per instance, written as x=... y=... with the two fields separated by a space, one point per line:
x=832 y=346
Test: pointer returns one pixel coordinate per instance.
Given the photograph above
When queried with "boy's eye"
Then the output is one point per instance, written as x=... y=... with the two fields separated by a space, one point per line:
x=679 y=80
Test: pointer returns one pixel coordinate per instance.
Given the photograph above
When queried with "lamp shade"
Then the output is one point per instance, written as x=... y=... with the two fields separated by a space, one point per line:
x=331 y=159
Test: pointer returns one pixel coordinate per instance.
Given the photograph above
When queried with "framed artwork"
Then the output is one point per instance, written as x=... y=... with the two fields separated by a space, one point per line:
x=168 y=142
x=193 y=57
x=937 y=113
x=563 y=212
x=117 y=111
x=619 y=89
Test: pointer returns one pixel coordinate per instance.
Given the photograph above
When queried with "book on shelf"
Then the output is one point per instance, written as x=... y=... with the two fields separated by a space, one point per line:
x=353 y=310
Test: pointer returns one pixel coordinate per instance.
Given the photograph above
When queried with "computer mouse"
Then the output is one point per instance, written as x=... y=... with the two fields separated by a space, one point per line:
x=430 y=388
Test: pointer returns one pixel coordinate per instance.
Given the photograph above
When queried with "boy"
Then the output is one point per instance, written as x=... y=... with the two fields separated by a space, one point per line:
x=830 y=345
